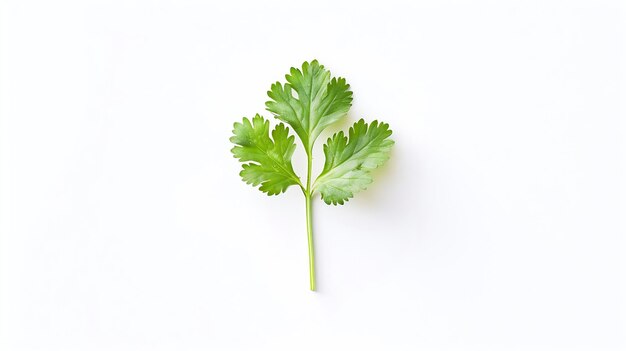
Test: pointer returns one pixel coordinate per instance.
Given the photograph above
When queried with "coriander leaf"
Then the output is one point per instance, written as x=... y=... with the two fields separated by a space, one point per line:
x=269 y=159
x=309 y=102
x=350 y=160
x=318 y=102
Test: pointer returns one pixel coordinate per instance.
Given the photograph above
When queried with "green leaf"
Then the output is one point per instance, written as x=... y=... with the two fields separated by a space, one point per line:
x=310 y=101
x=350 y=160
x=268 y=159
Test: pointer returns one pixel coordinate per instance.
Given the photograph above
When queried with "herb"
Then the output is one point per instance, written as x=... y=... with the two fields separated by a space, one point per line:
x=309 y=102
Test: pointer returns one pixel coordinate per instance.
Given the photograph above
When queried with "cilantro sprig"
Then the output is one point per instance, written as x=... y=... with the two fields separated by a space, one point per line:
x=309 y=102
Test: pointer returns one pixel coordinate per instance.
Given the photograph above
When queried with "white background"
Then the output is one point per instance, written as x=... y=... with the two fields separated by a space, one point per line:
x=498 y=224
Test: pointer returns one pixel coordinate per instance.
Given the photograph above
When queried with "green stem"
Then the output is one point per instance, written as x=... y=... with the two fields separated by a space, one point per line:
x=309 y=231
x=309 y=225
